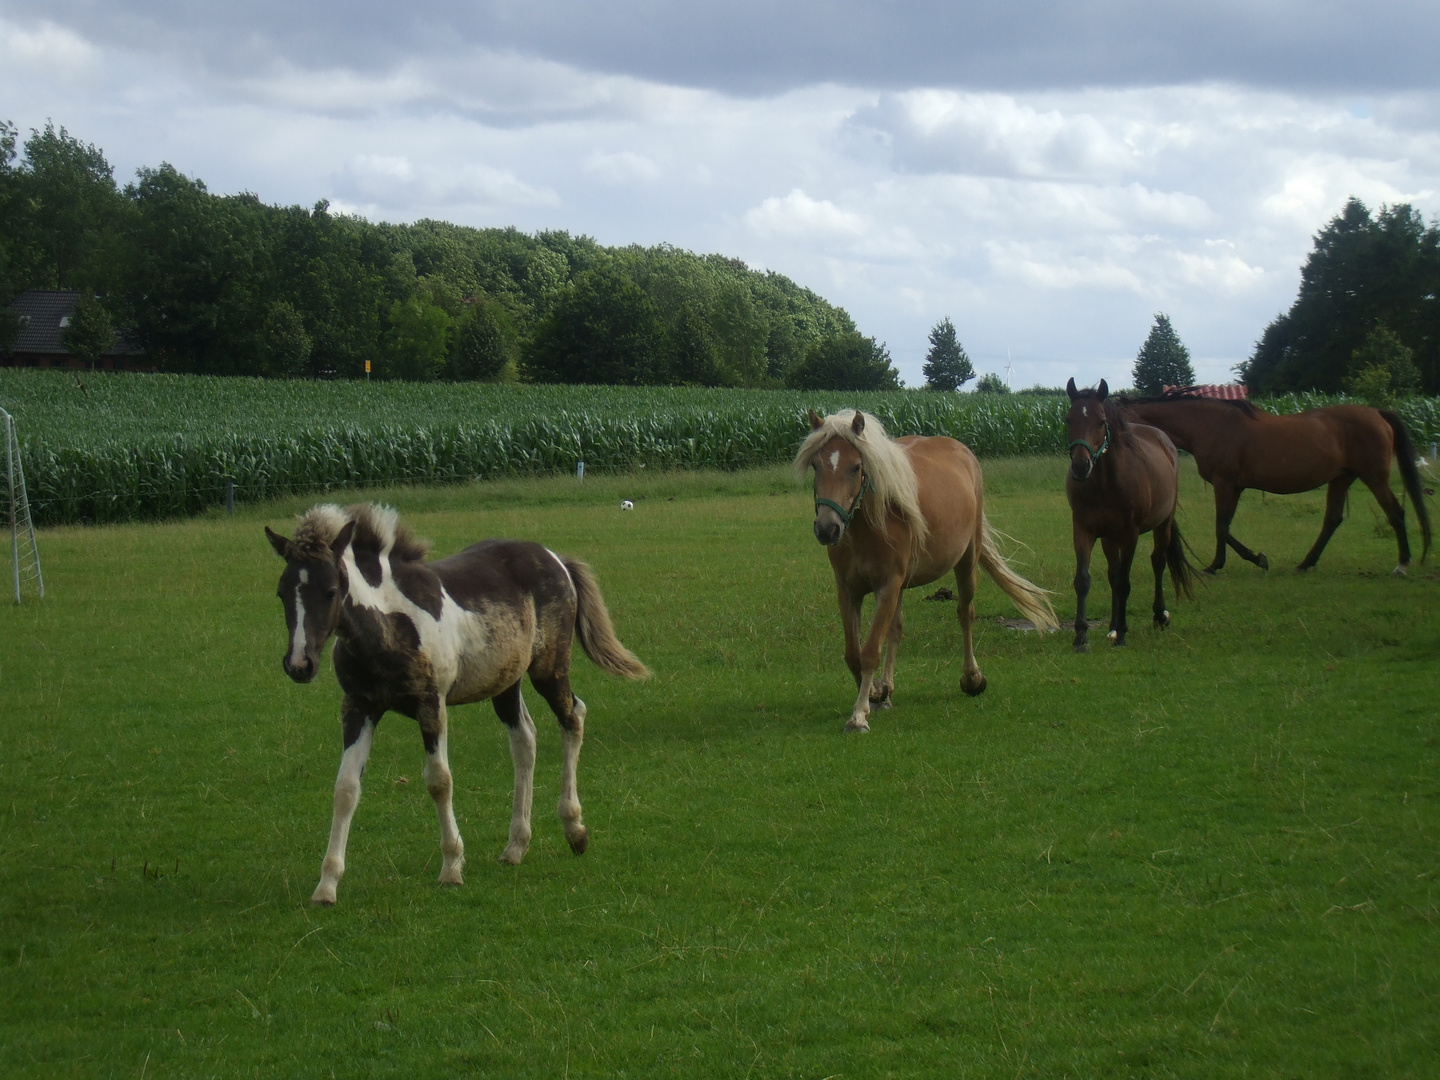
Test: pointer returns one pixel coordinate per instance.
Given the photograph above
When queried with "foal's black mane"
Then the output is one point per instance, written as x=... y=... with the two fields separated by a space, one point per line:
x=1170 y=399
x=375 y=527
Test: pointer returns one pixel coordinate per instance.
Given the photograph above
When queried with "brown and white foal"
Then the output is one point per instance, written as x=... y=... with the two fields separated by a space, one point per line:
x=414 y=637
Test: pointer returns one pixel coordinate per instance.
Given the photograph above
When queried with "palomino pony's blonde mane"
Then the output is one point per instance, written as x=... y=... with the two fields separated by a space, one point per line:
x=886 y=464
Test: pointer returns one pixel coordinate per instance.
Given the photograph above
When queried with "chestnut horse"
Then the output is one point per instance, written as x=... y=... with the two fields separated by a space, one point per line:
x=1123 y=481
x=1237 y=446
x=415 y=637
x=895 y=514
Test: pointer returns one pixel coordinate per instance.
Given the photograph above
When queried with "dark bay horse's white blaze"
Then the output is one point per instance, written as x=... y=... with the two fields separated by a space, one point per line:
x=893 y=515
x=415 y=637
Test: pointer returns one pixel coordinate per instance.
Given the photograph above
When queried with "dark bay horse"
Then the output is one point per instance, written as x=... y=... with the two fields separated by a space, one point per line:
x=1237 y=446
x=1123 y=481
x=895 y=514
x=415 y=637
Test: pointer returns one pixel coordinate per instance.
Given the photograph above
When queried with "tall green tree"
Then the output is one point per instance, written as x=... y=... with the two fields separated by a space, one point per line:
x=284 y=344
x=482 y=342
x=1163 y=360
x=845 y=362
x=1383 y=368
x=947 y=367
x=90 y=332
x=416 y=343
x=1364 y=270
x=603 y=330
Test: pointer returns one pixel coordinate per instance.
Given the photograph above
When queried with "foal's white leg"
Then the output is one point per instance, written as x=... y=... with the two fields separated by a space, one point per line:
x=438 y=782
x=569 y=810
x=347 y=796
x=522 y=753
x=887 y=599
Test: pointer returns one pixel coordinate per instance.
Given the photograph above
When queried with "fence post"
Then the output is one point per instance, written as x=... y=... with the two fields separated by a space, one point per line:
x=10 y=481
x=579 y=470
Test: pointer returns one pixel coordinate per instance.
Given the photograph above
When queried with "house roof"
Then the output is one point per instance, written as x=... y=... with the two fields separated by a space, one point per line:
x=44 y=312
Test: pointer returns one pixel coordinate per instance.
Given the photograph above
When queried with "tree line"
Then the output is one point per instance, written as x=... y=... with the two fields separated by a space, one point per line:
x=228 y=285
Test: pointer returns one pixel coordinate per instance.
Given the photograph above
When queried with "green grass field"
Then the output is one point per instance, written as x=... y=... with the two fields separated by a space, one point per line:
x=1211 y=854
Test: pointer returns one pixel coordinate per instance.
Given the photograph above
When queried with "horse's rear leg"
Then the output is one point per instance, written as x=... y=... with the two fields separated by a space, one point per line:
x=1227 y=498
x=1162 y=536
x=510 y=707
x=357 y=731
x=569 y=710
x=1334 y=514
x=880 y=695
x=967 y=580
x=1395 y=514
x=435 y=730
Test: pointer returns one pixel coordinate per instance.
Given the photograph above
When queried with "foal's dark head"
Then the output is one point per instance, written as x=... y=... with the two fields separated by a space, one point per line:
x=1090 y=428
x=312 y=587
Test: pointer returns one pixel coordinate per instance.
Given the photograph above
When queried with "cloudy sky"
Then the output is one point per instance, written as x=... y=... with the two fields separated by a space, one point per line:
x=1048 y=174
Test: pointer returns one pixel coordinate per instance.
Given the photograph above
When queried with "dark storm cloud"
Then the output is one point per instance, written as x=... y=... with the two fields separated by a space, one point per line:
x=759 y=46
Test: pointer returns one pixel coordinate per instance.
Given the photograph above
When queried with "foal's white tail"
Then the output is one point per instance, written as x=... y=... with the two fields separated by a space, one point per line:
x=1033 y=601
x=594 y=629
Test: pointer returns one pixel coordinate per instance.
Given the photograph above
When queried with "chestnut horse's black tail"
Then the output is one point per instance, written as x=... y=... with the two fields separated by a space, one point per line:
x=1182 y=570
x=1409 y=475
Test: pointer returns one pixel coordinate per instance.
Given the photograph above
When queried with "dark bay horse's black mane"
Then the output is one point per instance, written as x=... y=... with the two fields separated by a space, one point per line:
x=1167 y=399
x=1114 y=414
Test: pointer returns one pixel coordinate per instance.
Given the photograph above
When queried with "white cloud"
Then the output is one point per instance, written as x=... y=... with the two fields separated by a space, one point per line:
x=621 y=168
x=44 y=50
x=798 y=215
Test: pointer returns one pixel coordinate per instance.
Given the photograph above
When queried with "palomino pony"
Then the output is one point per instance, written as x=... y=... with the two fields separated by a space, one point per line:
x=895 y=514
x=416 y=637
x=1123 y=481
x=1237 y=446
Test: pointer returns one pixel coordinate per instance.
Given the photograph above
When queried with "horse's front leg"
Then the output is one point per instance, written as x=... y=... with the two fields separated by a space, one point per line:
x=1084 y=545
x=1227 y=498
x=434 y=729
x=880 y=693
x=967 y=580
x=357 y=728
x=510 y=707
x=1119 y=555
x=887 y=599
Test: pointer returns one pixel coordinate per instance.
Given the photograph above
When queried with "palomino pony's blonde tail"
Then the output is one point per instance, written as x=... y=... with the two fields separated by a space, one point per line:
x=1033 y=601
x=594 y=629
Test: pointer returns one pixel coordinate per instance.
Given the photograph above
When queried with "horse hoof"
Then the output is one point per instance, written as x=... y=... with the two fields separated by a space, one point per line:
x=323 y=899
x=580 y=841
x=451 y=882
x=882 y=703
x=1162 y=619
x=975 y=689
x=1399 y=571
x=857 y=724
x=512 y=855
x=1211 y=570
x=1302 y=569
x=1113 y=636
x=1082 y=646
x=1262 y=562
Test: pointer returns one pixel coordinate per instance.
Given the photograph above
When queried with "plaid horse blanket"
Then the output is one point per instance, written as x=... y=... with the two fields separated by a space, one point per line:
x=1225 y=391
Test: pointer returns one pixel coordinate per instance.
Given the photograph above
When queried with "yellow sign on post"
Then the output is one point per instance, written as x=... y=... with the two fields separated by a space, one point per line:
x=367 y=369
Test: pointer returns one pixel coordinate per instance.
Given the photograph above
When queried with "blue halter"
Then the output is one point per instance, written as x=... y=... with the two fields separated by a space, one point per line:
x=847 y=515
x=1094 y=454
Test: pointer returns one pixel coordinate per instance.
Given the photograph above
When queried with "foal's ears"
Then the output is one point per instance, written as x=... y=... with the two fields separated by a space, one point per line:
x=342 y=540
x=278 y=542
x=1070 y=389
x=1102 y=390
x=858 y=424
x=816 y=421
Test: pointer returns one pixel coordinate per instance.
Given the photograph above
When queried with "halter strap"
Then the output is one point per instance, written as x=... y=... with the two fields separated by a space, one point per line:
x=847 y=515
x=1105 y=445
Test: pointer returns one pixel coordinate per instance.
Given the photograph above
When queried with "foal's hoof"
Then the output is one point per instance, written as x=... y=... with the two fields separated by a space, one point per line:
x=512 y=855
x=579 y=839
x=323 y=897
x=1399 y=571
x=1261 y=561
x=976 y=688
x=451 y=876
x=1162 y=619
x=880 y=703
x=1082 y=646
x=857 y=724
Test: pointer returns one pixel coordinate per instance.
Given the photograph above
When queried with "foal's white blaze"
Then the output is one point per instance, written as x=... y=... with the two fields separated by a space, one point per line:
x=297 y=642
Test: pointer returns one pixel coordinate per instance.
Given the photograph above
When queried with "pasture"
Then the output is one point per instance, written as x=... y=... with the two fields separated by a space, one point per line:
x=1212 y=853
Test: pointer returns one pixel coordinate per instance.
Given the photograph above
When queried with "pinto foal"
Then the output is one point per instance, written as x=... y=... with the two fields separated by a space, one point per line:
x=415 y=637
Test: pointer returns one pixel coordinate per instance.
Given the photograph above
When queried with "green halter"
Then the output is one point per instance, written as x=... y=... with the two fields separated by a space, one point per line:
x=1105 y=445
x=847 y=515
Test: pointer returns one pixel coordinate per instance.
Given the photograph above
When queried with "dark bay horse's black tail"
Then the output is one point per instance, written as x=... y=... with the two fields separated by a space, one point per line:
x=1182 y=571
x=1409 y=475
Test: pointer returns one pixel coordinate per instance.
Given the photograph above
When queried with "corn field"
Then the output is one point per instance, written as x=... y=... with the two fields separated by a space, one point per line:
x=115 y=447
